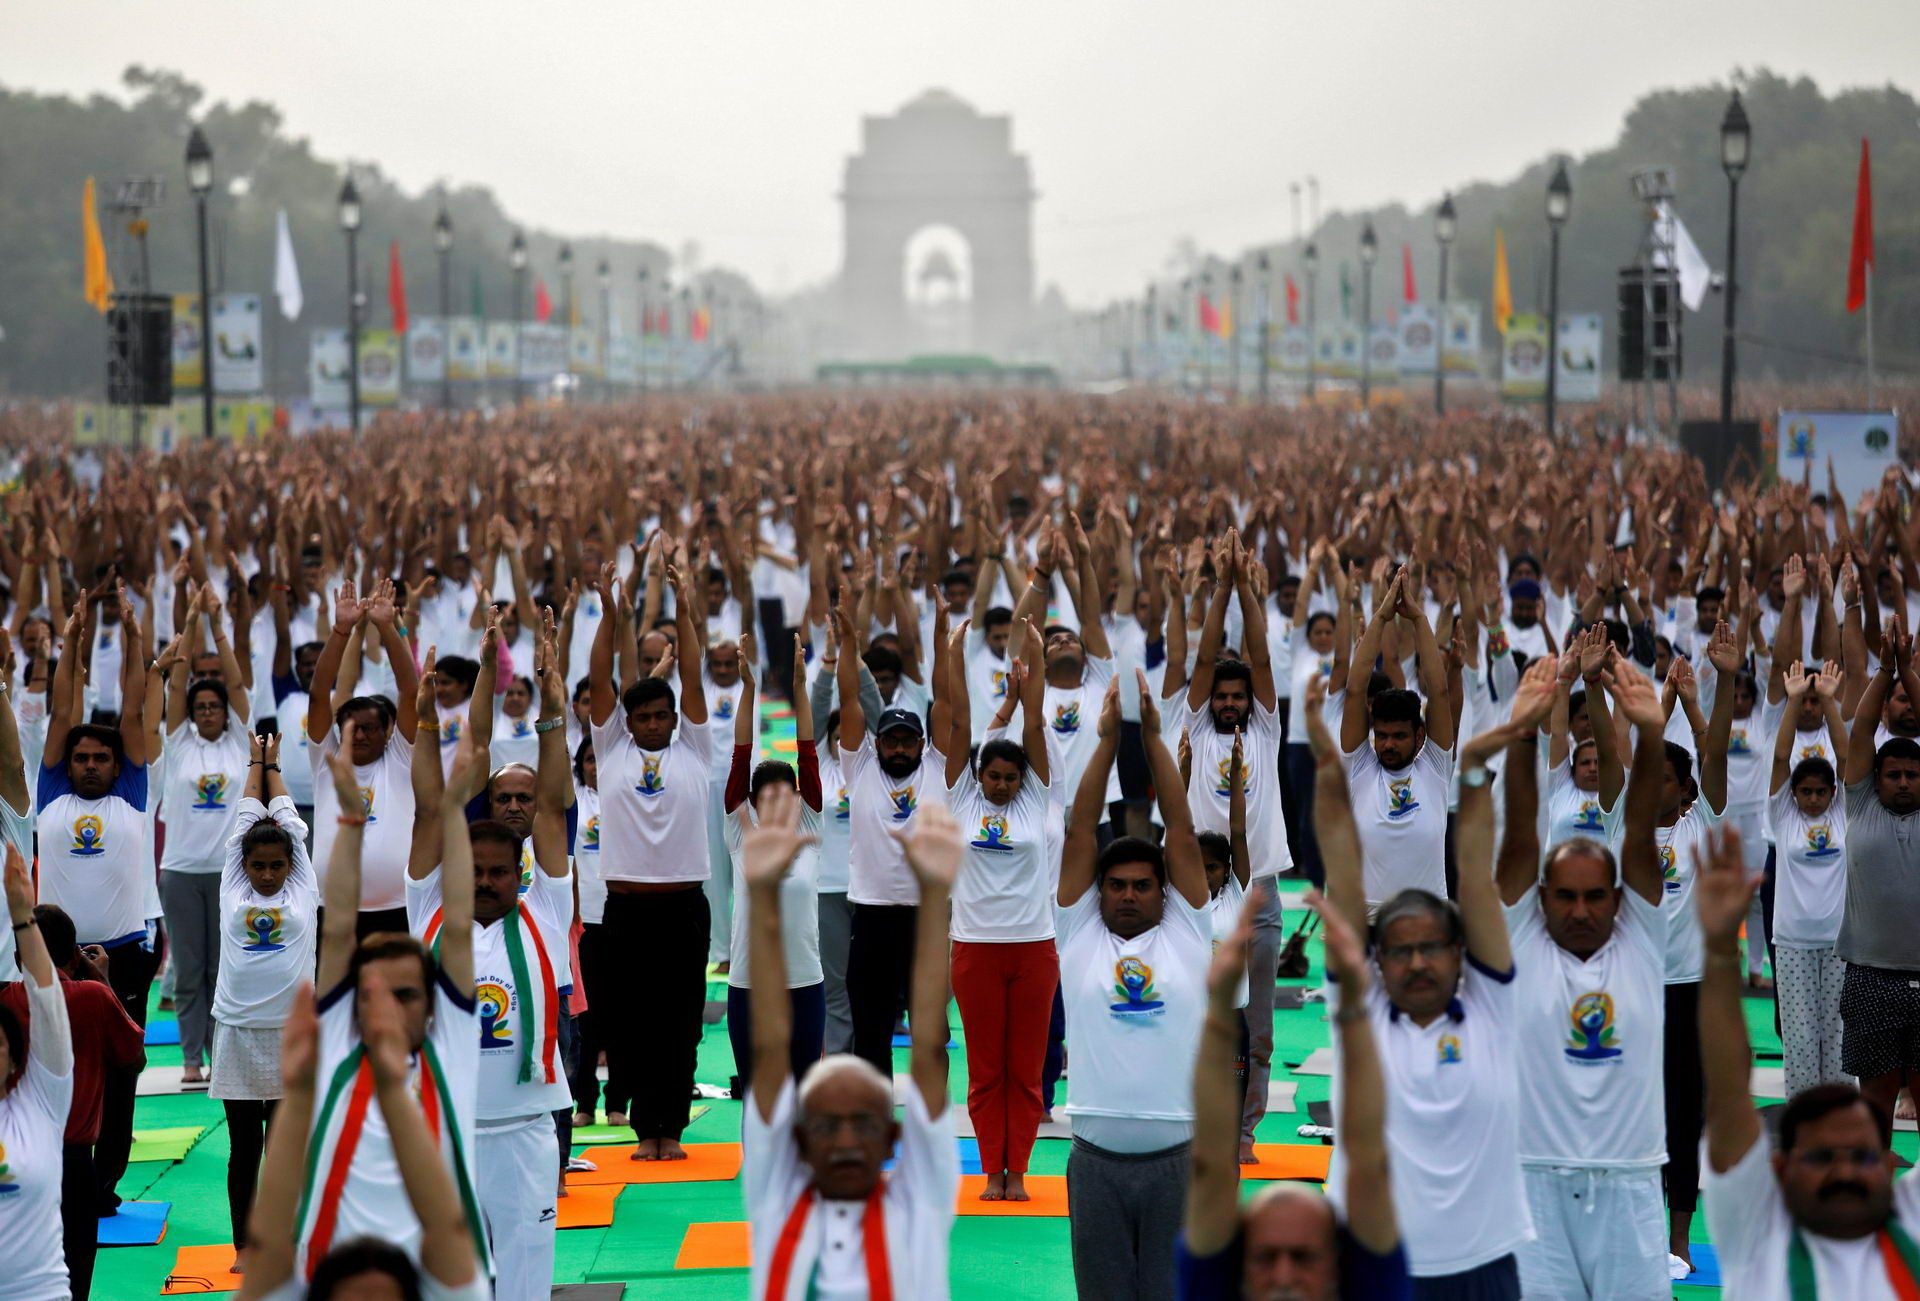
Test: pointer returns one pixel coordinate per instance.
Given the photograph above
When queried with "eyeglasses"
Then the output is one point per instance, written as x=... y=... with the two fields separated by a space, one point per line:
x=1820 y=1158
x=864 y=1125
x=1427 y=949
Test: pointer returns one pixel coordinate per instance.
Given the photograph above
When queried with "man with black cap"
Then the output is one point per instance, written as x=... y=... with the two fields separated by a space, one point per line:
x=889 y=776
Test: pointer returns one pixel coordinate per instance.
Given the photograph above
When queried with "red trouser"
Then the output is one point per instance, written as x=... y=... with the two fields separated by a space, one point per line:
x=1005 y=992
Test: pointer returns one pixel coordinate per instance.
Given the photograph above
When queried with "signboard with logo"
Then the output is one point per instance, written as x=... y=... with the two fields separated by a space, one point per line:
x=1523 y=358
x=1460 y=339
x=466 y=348
x=1579 y=377
x=1383 y=355
x=1419 y=340
x=187 y=337
x=379 y=367
x=427 y=349
x=1861 y=445
x=503 y=350
x=238 y=363
x=328 y=362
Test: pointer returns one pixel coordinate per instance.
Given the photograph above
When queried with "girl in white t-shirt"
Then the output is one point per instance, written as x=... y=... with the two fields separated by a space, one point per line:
x=269 y=899
x=36 y=1088
x=1005 y=966
x=1584 y=775
x=1810 y=889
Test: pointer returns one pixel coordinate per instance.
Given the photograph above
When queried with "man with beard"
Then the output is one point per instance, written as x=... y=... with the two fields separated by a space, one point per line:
x=519 y=967
x=889 y=775
x=1526 y=627
x=1820 y=1215
x=1400 y=781
x=1879 y=1002
x=1228 y=698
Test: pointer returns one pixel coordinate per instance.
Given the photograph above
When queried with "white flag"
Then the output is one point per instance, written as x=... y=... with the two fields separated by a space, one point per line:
x=1694 y=271
x=286 y=275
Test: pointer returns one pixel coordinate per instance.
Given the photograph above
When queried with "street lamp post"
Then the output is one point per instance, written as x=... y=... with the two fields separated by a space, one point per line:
x=1445 y=227
x=1265 y=298
x=645 y=329
x=200 y=181
x=1311 y=261
x=1559 y=204
x=517 y=259
x=443 y=245
x=350 y=222
x=1369 y=250
x=1736 y=140
x=606 y=330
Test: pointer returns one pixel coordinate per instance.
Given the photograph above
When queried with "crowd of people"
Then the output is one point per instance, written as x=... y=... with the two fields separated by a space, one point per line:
x=401 y=764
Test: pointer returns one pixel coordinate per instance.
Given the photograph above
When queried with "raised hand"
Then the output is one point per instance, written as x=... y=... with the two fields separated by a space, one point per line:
x=546 y=669
x=1533 y=697
x=1149 y=707
x=379 y=607
x=1722 y=887
x=1635 y=697
x=346 y=609
x=300 y=1040
x=1230 y=960
x=346 y=782
x=767 y=851
x=1680 y=678
x=382 y=1030
x=1797 y=680
x=1828 y=681
x=1594 y=645
x=1722 y=652
x=1110 y=709
x=1793 y=577
x=932 y=846
x=424 y=701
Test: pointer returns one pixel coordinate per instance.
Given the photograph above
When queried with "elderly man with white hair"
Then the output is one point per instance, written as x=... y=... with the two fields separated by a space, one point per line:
x=825 y=1222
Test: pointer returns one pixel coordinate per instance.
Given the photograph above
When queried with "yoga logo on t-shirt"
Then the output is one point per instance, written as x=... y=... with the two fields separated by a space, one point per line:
x=262 y=925
x=1223 y=779
x=903 y=804
x=526 y=866
x=9 y=1183
x=1400 y=801
x=650 y=784
x=590 y=836
x=1066 y=719
x=1737 y=742
x=89 y=836
x=450 y=731
x=723 y=710
x=494 y=1002
x=1588 y=819
x=999 y=684
x=1449 y=1050
x=208 y=790
x=1592 y=1041
x=1669 y=869
x=840 y=807
x=1820 y=841
x=366 y=804
x=521 y=728
x=1133 y=982
x=993 y=834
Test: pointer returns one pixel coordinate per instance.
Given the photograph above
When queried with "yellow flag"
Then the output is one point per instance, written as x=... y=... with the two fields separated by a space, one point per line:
x=1502 y=286
x=99 y=286
x=1226 y=318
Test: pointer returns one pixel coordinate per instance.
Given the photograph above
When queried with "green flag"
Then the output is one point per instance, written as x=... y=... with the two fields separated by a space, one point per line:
x=1346 y=294
x=479 y=307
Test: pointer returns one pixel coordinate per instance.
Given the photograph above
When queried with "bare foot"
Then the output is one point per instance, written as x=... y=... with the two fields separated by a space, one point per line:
x=617 y=1119
x=1903 y=1108
x=723 y=968
x=1247 y=1156
x=239 y=1263
x=670 y=1150
x=996 y=1189
x=1017 y=1188
x=581 y=1120
x=193 y=1075
x=647 y=1149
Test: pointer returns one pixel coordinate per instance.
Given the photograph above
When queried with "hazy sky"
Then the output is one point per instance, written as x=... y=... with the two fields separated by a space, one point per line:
x=728 y=121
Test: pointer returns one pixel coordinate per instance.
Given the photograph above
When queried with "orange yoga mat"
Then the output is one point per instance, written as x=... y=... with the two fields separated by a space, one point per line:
x=715 y=1246
x=1049 y=1194
x=1287 y=1161
x=589 y=1206
x=706 y=1162
x=200 y=1270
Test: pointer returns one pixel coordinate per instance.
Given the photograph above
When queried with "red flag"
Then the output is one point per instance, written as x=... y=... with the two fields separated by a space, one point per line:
x=698 y=329
x=1209 y=319
x=1407 y=291
x=1860 y=260
x=396 y=287
x=1293 y=302
x=542 y=305
x=666 y=322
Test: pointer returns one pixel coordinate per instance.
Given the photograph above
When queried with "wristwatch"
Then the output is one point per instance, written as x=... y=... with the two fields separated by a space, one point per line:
x=1474 y=778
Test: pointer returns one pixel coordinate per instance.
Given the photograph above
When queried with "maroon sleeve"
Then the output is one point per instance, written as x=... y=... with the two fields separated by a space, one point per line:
x=737 y=776
x=810 y=775
x=124 y=1042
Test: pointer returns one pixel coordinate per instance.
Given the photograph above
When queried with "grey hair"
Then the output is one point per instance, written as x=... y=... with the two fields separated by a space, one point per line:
x=835 y=1064
x=1419 y=903
x=1581 y=845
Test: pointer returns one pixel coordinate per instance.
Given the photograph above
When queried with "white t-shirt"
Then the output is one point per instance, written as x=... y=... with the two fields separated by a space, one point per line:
x=386 y=797
x=722 y=704
x=1810 y=857
x=96 y=860
x=1003 y=894
x=799 y=907
x=266 y=940
x=33 y=1123
x=201 y=793
x=514 y=741
x=1210 y=797
x=502 y=1005
x=1750 y=757
x=986 y=679
x=1680 y=847
x=1071 y=715
x=1453 y=1125
x=877 y=868
x=1572 y=812
x=1402 y=820
x=1747 y=1218
x=295 y=1289
x=16 y=829
x=1307 y=665
x=1592 y=1040
x=829 y=1261
x=586 y=855
x=1816 y=743
x=836 y=823
x=653 y=803
x=1134 y=1009
x=296 y=767
x=1223 y=914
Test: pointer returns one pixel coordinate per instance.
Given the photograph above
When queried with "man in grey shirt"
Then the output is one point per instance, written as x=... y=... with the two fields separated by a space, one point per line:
x=1879 y=940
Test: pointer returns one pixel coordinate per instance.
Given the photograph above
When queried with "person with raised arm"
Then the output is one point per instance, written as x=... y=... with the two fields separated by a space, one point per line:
x=1135 y=945
x=1584 y=776
x=826 y=1221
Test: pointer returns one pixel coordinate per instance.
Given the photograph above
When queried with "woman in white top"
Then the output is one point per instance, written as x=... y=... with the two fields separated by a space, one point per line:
x=205 y=758
x=514 y=740
x=1584 y=777
x=269 y=898
x=1810 y=840
x=1005 y=966
x=36 y=1088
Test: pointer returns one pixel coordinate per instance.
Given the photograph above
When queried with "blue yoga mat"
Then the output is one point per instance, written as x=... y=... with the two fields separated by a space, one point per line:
x=969 y=1156
x=135 y=1224
x=160 y=1033
x=1706 y=1268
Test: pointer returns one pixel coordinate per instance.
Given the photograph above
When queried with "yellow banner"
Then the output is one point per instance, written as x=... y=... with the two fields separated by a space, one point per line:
x=188 y=336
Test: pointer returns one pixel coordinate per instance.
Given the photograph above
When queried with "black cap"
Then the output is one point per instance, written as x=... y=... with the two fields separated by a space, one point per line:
x=899 y=720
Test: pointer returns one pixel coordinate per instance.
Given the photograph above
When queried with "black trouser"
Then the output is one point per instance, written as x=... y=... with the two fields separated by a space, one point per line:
x=776 y=640
x=1686 y=1097
x=569 y=1064
x=1298 y=808
x=130 y=972
x=1768 y=885
x=879 y=974
x=590 y=1040
x=79 y=1226
x=656 y=989
x=247 y=1122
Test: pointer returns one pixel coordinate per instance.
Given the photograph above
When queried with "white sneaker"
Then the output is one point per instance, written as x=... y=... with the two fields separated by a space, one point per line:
x=1677 y=1268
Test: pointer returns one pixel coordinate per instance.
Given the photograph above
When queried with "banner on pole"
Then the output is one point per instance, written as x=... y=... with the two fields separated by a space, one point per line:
x=1383 y=355
x=1579 y=376
x=380 y=352
x=503 y=350
x=242 y=421
x=1460 y=340
x=466 y=348
x=1523 y=358
x=1861 y=445
x=328 y=363
x=1295 y=350
x=186 y=422
x=1419 y=340
x=188 y=336
x=623 y=360
x=89 y=427
x=238 y=363
x=1338 y=350
x=583 y=350
x=543 y=352
x=427 y=349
